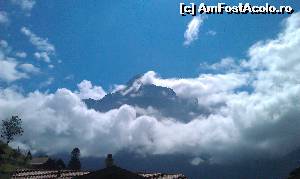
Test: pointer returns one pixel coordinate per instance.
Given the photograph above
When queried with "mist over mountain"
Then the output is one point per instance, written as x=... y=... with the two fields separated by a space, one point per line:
x=156 y=100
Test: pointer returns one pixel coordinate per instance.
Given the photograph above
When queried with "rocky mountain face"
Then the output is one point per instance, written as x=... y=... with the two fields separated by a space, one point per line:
x=162 y=99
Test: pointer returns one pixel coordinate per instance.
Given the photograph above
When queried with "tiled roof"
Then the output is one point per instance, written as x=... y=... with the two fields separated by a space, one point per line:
x=68 y=174
x=43 y=174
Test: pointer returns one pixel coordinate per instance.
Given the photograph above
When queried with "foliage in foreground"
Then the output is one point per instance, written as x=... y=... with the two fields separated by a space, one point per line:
x=10 y=160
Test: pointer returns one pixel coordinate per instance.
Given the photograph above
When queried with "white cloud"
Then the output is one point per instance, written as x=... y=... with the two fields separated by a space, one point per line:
x=243 y=123
x=42 y=56
x=212 y=33
x=69 y=77
x=3 y=17
x=87 y=90
x=116 y=88
x=224 y=65
x=210 y=89
x=46 y=83
x=21 y=54
x=29 y=68
x=192 y=31
x=62 y=118
x=197 y=161
x=45 y=48
x=3 y=44
x=40 y=43
x=9 y=66
x=9 y=72
x=25 y=5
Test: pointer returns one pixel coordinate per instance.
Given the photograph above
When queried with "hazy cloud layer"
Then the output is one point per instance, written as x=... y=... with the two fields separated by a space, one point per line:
x=255 y=111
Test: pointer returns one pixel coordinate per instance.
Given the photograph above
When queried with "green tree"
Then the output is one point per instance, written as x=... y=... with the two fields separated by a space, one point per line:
x=10 y=128
x=74 y=163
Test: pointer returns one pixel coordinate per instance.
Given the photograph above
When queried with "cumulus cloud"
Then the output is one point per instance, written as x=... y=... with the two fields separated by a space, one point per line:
x=42 y=56
x=45 y=48
x=87 y=90
x=252 y=122
x=3 y=17
x=192 y=31
x=8 y=70
x=21 y=54
x=209 y=89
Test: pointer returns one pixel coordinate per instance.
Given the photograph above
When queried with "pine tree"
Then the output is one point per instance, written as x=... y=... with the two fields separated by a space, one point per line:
x=74 y=163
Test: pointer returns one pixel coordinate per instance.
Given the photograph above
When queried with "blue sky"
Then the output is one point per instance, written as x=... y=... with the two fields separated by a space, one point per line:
x=109 y=42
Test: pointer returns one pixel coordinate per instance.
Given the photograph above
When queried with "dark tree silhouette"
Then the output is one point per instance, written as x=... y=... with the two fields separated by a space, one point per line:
x=74 y=163
x=10 y=128
x=60 y=164
x=29 y=156
x=50 y=164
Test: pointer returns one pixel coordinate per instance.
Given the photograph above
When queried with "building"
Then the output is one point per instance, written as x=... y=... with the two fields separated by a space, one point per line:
x=111 y=171
x=38 y=162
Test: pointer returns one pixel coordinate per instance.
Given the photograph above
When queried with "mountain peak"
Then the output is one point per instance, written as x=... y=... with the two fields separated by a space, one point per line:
x=132 y=85
x=160 y=98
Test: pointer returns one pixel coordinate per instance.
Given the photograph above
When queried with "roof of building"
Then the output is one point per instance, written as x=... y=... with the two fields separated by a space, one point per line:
x=49 y=174
x=111 y=173
x=107 y=173
x=39 y=160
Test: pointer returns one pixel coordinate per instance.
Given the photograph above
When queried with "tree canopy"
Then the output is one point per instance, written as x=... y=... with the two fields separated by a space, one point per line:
x=10 y=128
